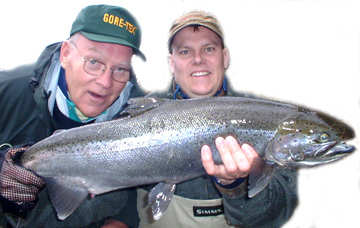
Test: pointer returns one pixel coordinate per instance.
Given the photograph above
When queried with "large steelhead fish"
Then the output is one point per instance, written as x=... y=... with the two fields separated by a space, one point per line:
x=160 y=140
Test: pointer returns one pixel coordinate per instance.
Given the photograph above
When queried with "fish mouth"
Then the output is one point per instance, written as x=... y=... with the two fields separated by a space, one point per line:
x=339 y=149
x=329 y=152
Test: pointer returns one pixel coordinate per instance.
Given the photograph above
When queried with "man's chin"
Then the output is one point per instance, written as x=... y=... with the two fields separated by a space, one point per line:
x=203 y=94
x=91 y=112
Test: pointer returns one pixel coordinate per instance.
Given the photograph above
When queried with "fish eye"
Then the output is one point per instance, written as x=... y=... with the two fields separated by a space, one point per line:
x=324 y=137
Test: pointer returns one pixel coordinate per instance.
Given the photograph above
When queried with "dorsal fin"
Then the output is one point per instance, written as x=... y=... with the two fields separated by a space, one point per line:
x=139 y=105
x=58 y=131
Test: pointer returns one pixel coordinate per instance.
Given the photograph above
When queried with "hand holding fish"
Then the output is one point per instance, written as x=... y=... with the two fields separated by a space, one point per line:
x=237 y=159
x=17 y=183
x=18 y=186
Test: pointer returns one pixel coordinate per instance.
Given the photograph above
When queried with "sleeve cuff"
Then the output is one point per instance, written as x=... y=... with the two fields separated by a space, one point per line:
x=234 y=184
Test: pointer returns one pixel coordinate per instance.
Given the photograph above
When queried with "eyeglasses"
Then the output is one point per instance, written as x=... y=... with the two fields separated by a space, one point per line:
x=97 y=68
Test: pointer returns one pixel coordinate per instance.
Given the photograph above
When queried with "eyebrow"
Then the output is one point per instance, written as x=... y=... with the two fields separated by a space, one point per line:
x=100 y=58
x=176 y=47
x=93 y=49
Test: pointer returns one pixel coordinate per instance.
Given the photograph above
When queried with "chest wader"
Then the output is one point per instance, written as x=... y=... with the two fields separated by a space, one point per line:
x=183 y=212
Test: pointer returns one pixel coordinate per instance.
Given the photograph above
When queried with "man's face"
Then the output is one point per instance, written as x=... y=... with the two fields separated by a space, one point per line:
x=198 y=61
x=93 y=94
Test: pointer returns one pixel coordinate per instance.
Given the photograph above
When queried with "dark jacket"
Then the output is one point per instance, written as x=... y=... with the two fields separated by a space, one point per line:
x=25 y=119
x=269 y=209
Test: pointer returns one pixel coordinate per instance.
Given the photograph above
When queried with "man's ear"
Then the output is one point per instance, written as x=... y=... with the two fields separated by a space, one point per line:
x=171 y=64
x=65 y=53
x=226 y=55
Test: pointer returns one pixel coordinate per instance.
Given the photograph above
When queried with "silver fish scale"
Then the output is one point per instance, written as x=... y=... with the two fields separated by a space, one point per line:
x=167 y=138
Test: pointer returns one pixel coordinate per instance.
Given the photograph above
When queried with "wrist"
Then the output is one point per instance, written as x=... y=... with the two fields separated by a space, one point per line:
x=228 y=184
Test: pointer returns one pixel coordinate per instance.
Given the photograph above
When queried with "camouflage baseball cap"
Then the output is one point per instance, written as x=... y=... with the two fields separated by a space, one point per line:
x=109 y=24
x=192 y=18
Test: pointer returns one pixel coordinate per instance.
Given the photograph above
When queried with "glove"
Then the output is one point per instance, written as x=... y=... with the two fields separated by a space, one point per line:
x=18 y=186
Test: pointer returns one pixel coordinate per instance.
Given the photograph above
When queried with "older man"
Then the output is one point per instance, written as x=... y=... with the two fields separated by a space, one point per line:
x=85 y=79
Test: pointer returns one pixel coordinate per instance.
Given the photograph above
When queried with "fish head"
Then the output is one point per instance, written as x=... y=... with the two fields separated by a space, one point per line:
x=309 y=139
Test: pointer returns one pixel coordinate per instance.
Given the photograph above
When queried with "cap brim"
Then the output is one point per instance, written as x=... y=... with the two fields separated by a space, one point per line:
x=206 y=25
x=192 y=23
x=115 y=40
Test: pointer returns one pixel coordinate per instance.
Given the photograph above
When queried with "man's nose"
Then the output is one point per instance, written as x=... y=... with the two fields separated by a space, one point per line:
x=105 y=79
x=198 y=57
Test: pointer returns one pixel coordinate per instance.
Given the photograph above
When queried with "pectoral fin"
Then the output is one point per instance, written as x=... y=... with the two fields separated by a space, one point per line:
x=259 y=177
x=160 y=197
x=65 y=196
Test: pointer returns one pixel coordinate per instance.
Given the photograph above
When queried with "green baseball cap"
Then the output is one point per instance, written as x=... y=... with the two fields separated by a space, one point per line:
x=109 y=24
